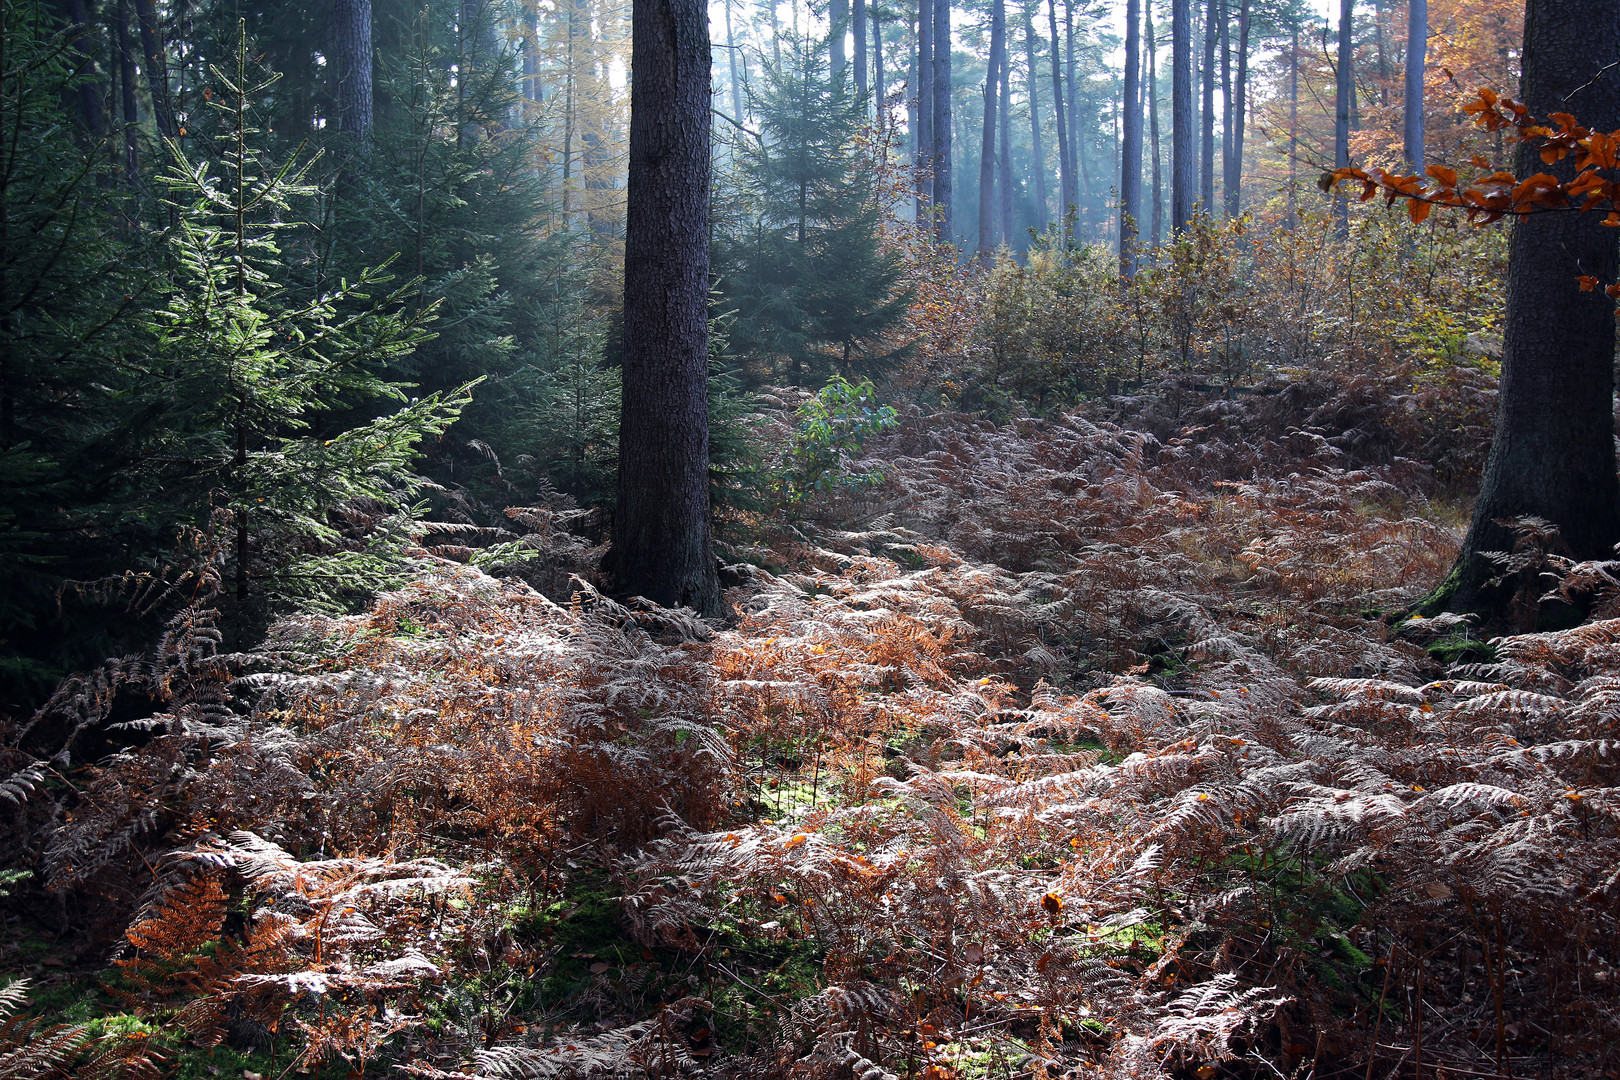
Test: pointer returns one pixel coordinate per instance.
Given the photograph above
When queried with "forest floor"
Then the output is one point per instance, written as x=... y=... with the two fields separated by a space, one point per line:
x=1073 y=747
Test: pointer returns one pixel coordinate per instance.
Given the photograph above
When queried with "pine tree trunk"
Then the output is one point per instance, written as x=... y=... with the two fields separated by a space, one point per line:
x=662 y=548
x=126 y=86
x=925 y=108
x=987 y=146
x=156 y=65
x=838 y=17
x=1553 y=453
x=1345 y=88
x=879 y=92
x=1228 y=182
x=860 y=49
x=1417 y=48
x=1067 y=190
x=1206 y=150
x=85 y=46
x=1130 y=164
x=1240 y=114
x=942 y=121
x=1037 y=151
x=736 y=80
x=1077 y=160
x=351 y=37
x=1293 y=127
x=1183 y=171
x=1153 y=119
x=1004 y=176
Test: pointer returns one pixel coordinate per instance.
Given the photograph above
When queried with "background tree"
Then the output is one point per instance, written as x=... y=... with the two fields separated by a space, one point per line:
x=1417 y=47
x=1183 y=174
x=1130 y=158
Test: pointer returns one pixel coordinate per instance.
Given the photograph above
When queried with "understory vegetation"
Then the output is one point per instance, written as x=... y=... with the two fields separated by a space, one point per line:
x=1089 y=743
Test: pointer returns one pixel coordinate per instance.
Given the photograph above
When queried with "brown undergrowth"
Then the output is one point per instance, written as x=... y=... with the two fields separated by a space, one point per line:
x=1064 y=750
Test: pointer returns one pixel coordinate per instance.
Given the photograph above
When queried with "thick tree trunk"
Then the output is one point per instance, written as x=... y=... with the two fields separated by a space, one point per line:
x=1068 y=192
x=1206 y=148
x=860 y=48
x=1037 y=151
x=1345 y=90
x=1130 y=162
x=987 y=146
x=1183 y=173
x=662 y=548
x=351 y=38
x=838 y=18
x=1553 y=453
x=1153 y=121
x=942 y=121
x=1417 y=48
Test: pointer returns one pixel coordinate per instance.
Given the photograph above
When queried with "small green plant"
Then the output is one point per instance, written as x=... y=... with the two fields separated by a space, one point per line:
x=833 y=427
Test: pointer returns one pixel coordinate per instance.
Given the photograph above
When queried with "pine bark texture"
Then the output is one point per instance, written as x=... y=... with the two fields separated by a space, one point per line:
x=1004 y=175
x=1417 y=48
x=1183 y=173
x=1240 y=110
x=1130 y=163
x=351 y=38
x=662 y=547
x=1553 y=454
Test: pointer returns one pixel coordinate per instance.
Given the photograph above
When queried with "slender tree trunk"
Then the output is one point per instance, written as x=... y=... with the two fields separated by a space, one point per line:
x=1417 y=48
x=1228 y=181
x=1345 y=90
x=987 y=145
x=533 y=92
x=1293 y=128
x=154 y=61
x=1130 y=163
x=878 y=90
x=860 y=49
x=662 y=548
x=351 y=34
x=1037 y=151
x=1553 y=453
x=126 y=86
x=1183 y=173
x=942 y=121
x=1379 y=52
x=90 y=89
x=1206 y=154
x=925 y=108
x=1077 y=159
x=736 y=79
x=1067 y=190
x=1240 y=113
x=838 y=17
x=1004 y=176
x=1153 y=119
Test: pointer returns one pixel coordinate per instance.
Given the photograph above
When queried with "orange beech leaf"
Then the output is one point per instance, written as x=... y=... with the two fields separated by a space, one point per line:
x=1446 y=176
x=1588 y=282
x=1480 y=161
x=1613 y=292
x=1418 y=210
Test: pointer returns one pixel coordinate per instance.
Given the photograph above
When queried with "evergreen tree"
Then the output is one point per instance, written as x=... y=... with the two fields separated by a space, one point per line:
x=802 y=260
